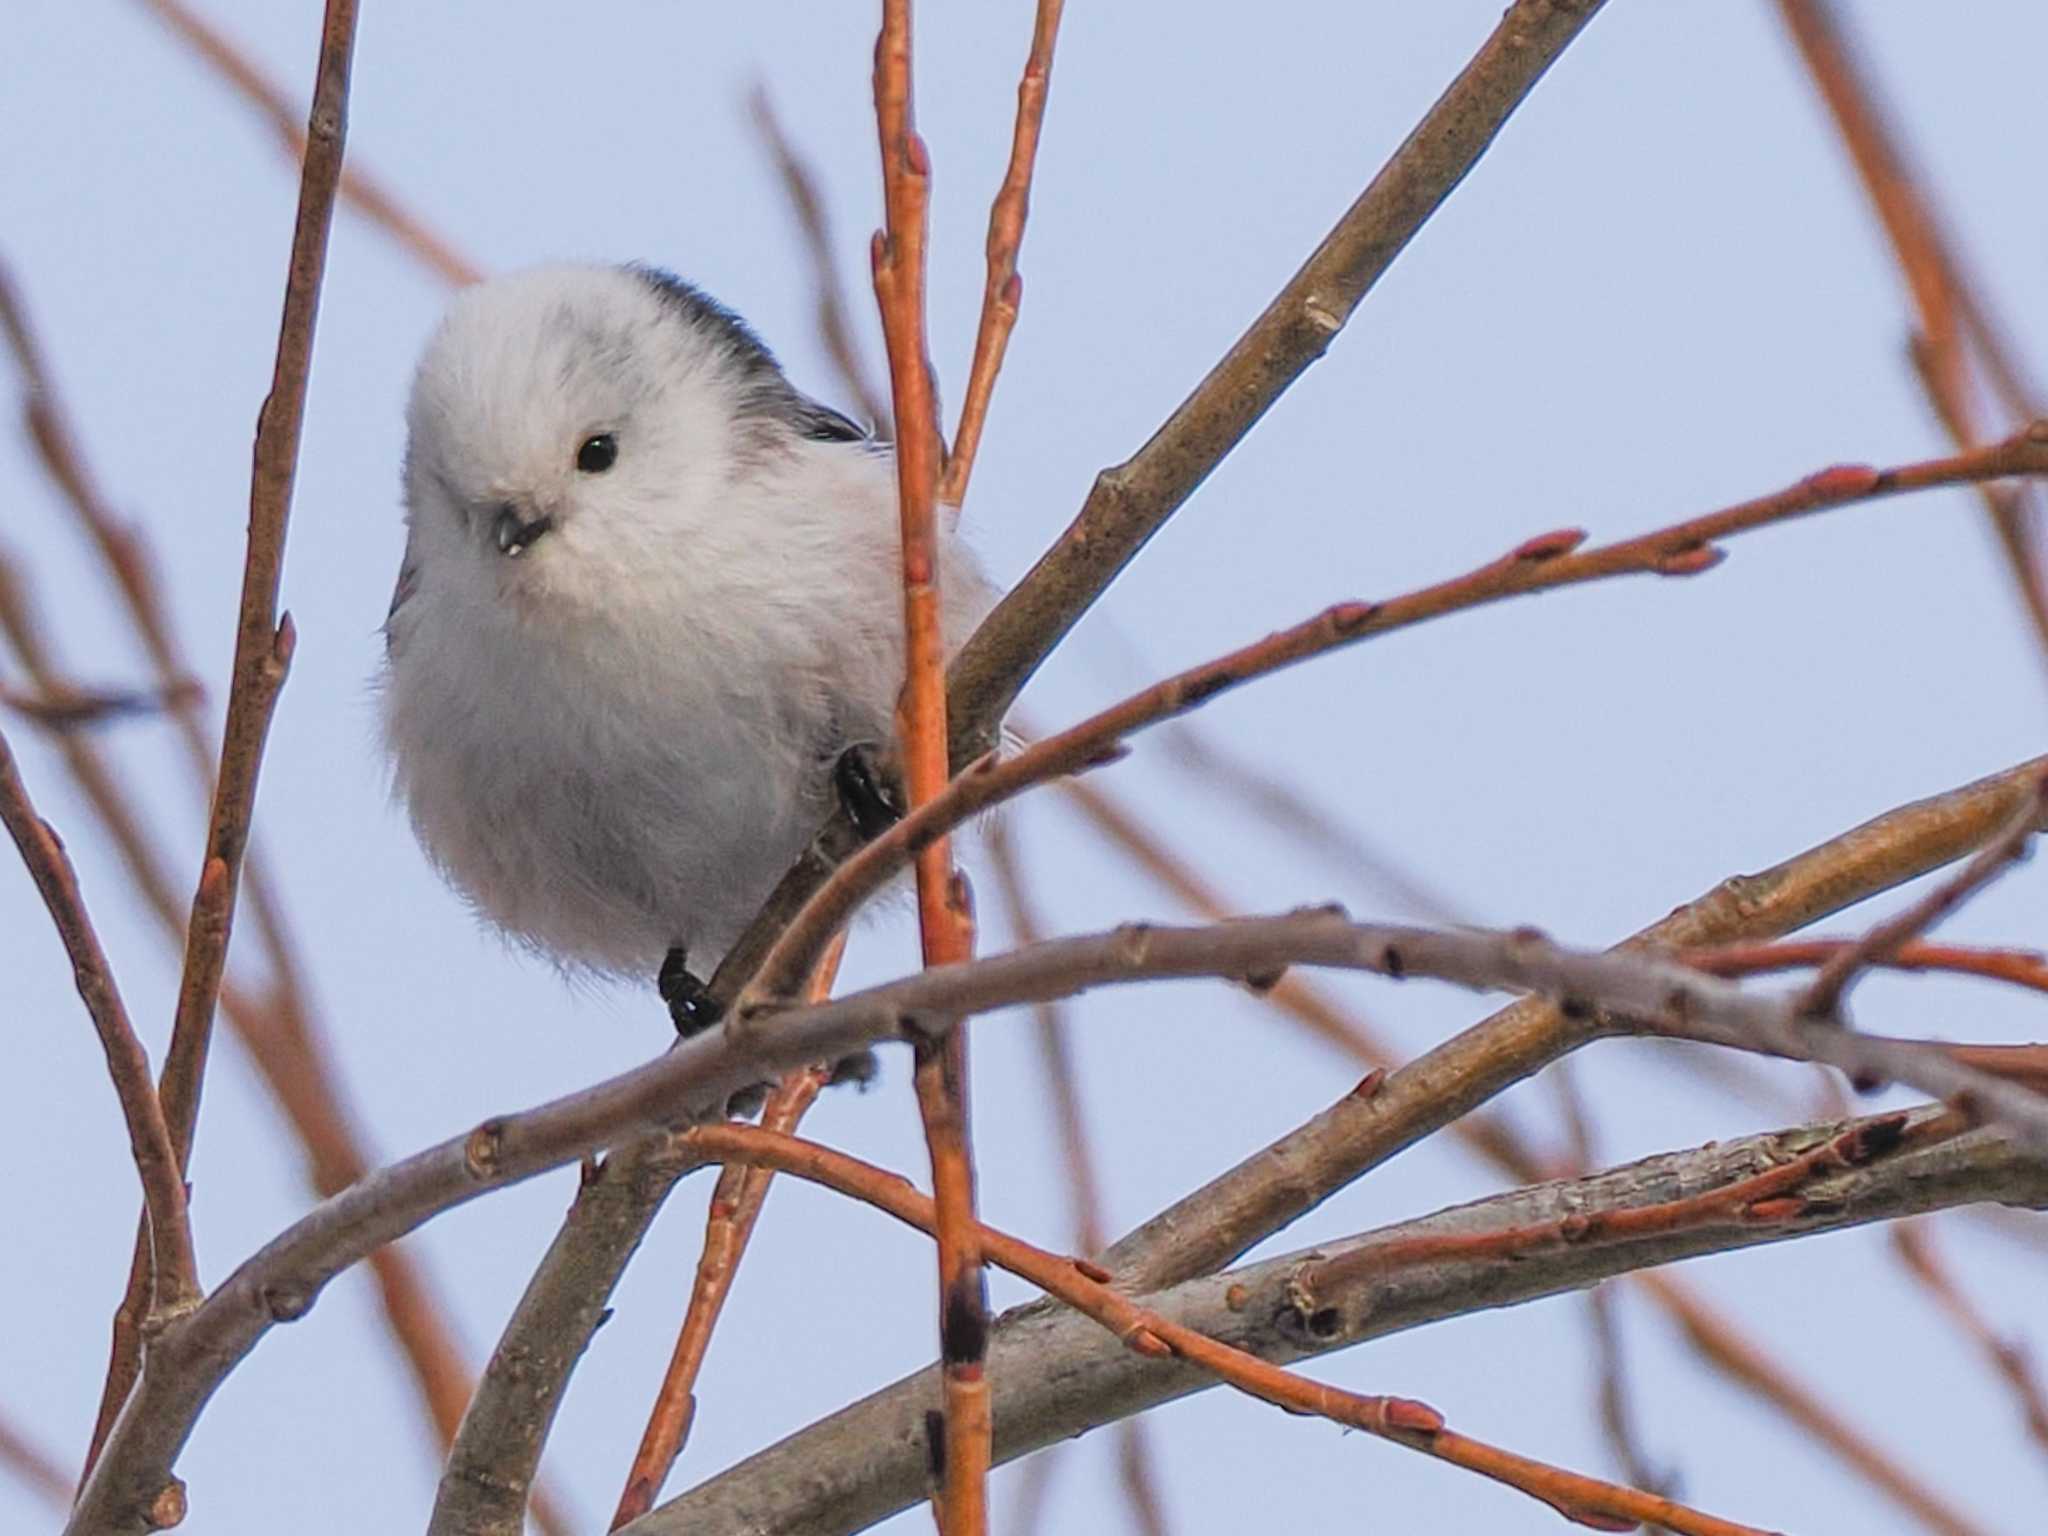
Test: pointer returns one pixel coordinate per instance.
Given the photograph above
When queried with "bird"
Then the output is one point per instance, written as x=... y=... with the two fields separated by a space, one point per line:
x=648 y=623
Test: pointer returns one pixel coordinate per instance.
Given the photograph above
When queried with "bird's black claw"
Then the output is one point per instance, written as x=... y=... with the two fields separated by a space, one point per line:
x=690 y=1004
x=865 y=790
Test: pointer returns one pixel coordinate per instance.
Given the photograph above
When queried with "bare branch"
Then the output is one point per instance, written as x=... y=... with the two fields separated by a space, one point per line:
x=1277 y=1184
x=1132 y=502
x=1129 y=503
x=1058 y=1375
x=1948 y=302
x=1823 y=999
x=736 y=1202
x=361 y=191
x=1004 y=291
x=1083 y=1287
x=808 y=204
x=1542 y=563
x=2007 y=1357
x=173 y=1264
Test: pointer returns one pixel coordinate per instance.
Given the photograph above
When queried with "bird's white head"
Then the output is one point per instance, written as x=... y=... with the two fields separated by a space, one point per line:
x=569 y=424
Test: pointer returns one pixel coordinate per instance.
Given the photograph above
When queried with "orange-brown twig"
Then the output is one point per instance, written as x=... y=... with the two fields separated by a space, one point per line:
x=263 y=641
x=2020 y=967
x=1082 y=1286
x=2007 y=1357
x=279 y=1029
x=173 y=1264
x=1947 y=302
x=1739 y=1358
x=361 y=191
x=33 y=1465
x=736 y=1202
x=1004 y=291
x=1543 y=563
x=835 y=329
x=1763 y=1198
x=945 y=923
x=1823 y=998
x=1084 y=1185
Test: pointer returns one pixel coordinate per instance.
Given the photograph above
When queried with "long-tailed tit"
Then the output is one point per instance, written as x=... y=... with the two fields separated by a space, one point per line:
x=649 y=614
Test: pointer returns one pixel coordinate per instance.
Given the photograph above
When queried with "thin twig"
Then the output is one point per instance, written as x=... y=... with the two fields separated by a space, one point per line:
x=2007 y=1357
x=1135 y=1466
x=361 y=191
x=1057 y=1375
x=835 y=328
x=736 y=1202
x=1314 y=828
x=1132 y=501
x=960 y=1457
x=1721 y=1341
x=1004 y=291
x=830 y=1478
x=1542 y=563
x=1949 y=304
x=1823 y=998
x=172 y=1261
x=77 y=709
x=263 y=643
x=33 y=1465
x=1614 y=1399
x=2020 y=967
x=1081 y=1286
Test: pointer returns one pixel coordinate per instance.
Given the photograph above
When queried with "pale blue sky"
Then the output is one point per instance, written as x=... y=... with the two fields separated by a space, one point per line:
x=1660 y=292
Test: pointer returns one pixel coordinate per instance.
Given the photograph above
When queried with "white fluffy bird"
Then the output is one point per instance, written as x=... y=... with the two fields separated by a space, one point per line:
x=651 y=597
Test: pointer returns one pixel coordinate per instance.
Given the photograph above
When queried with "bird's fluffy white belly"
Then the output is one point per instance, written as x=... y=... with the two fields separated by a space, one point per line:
x=605 y=813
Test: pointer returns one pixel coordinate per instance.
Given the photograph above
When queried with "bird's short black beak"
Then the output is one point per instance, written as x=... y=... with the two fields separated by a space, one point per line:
x=514 y=529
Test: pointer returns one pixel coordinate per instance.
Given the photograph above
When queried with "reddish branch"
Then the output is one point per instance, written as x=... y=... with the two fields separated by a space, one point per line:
x=1004 y=291
x=1084 y=1287
x=1132 y=501
x=278 y=1029
x=175 y=1268
x=1543 y=563
x=960 y=1457
x=366 y=195
x=2020 y=967
x=1823 y=999
x=263 y=642
x=1738 y=1357
x=1946 y=301
x=33 y=1465
x=835 y=329
x=2006 y=1356
x=736 y=1202
x=1135 y=1467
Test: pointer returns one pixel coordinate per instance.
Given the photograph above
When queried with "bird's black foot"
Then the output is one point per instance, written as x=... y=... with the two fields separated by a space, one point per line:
x=865 y=789
x=690 y=1005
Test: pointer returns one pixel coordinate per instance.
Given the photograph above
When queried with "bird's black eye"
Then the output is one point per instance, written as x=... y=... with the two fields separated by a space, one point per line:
x=597 y=454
